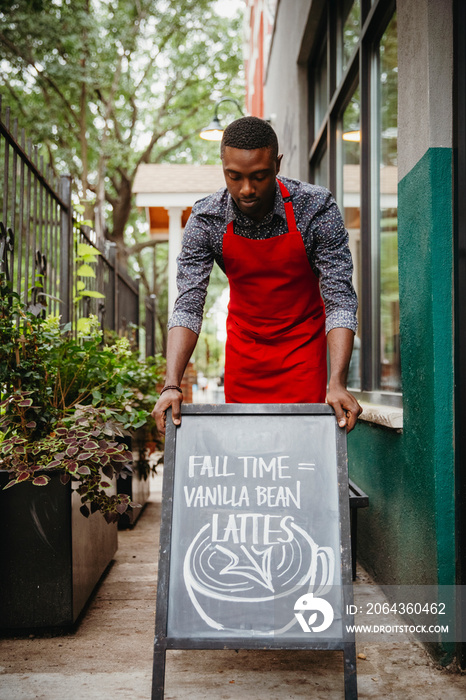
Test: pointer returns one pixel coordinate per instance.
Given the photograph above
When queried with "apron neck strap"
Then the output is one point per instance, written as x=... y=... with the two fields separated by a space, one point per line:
x=289 y=212
x=290 y=219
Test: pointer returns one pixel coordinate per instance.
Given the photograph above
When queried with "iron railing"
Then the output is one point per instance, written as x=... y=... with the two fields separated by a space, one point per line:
x=40 y=237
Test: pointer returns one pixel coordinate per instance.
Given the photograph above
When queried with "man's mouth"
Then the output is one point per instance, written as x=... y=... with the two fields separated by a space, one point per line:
x=248 y=202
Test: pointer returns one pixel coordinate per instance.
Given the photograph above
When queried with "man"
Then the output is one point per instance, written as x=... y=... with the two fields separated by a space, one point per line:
x=284 y=249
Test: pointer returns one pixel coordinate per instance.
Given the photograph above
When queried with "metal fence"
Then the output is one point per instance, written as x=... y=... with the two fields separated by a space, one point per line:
x=42 y=244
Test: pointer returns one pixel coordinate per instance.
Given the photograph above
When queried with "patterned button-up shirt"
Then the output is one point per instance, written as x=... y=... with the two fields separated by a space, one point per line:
x=325 y=240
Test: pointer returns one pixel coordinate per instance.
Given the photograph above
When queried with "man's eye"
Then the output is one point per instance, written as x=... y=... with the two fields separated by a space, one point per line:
x=233 y=176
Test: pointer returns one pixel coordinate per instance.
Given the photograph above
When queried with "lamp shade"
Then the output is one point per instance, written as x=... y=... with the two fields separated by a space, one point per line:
x=213 y=132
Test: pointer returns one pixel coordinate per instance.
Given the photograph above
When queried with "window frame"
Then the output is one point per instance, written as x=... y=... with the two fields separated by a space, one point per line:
x=362 y=71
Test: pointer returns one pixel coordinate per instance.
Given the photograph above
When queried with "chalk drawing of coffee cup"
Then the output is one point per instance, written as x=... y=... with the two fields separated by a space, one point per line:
x=249 y=576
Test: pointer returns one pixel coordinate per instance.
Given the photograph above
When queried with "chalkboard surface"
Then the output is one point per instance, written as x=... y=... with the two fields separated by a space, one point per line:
x=255 y=549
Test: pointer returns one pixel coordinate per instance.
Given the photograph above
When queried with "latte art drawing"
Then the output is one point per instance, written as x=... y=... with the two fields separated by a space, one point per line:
x=242 y=572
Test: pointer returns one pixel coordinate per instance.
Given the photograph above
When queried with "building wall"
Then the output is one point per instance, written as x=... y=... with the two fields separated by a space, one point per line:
x=285 y=86
x=258 y=25
x=425 y=54
x=407 y=535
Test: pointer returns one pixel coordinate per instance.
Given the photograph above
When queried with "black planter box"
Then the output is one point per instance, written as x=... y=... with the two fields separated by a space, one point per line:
x=51 y=556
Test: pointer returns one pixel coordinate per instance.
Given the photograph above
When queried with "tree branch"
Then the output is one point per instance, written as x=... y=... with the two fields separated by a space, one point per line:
x=41 y=76
x=141 y=245
x=142 y=272
x=14 y=95
x=171 y=148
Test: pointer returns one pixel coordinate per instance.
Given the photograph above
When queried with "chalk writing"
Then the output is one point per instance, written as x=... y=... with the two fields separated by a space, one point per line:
x=204 y=496
x=255 y=528
x=255 y=522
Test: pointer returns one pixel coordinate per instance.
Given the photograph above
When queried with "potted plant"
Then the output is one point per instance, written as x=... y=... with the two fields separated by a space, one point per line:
x=62 y=410
x=140 y=378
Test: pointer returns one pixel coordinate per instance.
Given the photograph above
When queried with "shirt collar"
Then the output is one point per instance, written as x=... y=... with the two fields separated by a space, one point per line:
x=234 y=214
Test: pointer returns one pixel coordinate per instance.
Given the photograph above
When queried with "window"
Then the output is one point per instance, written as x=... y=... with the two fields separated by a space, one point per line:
x=321 y=170
x=389 y=371
x=353 y=136
x=321 y=86
x=351 y=15
x=349 y=199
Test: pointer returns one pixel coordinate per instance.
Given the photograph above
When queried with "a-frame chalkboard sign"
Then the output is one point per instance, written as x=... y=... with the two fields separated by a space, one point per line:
x=255 y=548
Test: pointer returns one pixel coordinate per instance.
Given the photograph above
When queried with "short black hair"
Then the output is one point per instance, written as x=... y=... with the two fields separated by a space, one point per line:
x=249 y=133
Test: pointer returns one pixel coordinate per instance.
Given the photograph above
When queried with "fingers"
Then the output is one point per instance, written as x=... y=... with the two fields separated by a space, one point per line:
x=340 y=414
x=160 y=417
x=169 y=398
x=176 y=408
x=352 y=417
x=347 y=410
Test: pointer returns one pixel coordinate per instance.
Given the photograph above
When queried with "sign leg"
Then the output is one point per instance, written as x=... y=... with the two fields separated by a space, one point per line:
x=158 y=675
x=349 y=661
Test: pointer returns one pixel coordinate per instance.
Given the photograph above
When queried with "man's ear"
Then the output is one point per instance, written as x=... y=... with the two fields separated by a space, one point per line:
x=279 y=160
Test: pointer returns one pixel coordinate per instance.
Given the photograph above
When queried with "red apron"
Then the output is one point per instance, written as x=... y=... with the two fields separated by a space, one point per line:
x=276 y=345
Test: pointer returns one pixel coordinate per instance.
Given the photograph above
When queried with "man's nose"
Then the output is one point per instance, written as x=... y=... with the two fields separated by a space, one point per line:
x=247 y=188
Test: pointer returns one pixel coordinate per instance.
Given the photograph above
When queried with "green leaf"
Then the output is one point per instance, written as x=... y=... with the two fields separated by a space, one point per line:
x=84 y=325
x=93 y=294
x=80 y=285
x=85 y=270
x=86 y=249
x=140 y=423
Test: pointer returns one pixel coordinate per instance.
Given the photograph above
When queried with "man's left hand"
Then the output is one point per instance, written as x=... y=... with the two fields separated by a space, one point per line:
x=347 y=410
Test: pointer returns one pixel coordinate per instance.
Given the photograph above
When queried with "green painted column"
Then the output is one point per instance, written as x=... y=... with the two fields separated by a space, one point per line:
x=407 y=534
x=425 y=250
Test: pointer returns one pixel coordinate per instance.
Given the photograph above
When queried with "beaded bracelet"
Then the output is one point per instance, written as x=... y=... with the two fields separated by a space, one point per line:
x=171 y=386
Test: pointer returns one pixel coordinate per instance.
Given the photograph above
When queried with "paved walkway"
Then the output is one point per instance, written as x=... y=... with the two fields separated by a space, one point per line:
x=109 y=655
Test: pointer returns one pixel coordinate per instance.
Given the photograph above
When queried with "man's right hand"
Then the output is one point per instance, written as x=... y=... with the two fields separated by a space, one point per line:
x=172 y=398
x=180 y=346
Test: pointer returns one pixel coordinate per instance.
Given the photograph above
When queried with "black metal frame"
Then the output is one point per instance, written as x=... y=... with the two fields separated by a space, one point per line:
x=162 y=641
x=34 y=210
x=38 y=235
x=374 y=20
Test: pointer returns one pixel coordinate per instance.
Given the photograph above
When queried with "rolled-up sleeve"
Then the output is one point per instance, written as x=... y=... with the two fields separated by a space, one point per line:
x=334 y=266
x=194 y=267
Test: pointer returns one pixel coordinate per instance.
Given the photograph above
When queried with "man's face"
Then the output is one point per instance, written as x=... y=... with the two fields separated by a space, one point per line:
x=250 y=177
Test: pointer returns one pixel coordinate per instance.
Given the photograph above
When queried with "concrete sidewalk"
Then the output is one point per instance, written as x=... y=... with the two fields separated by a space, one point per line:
x=109 y=655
